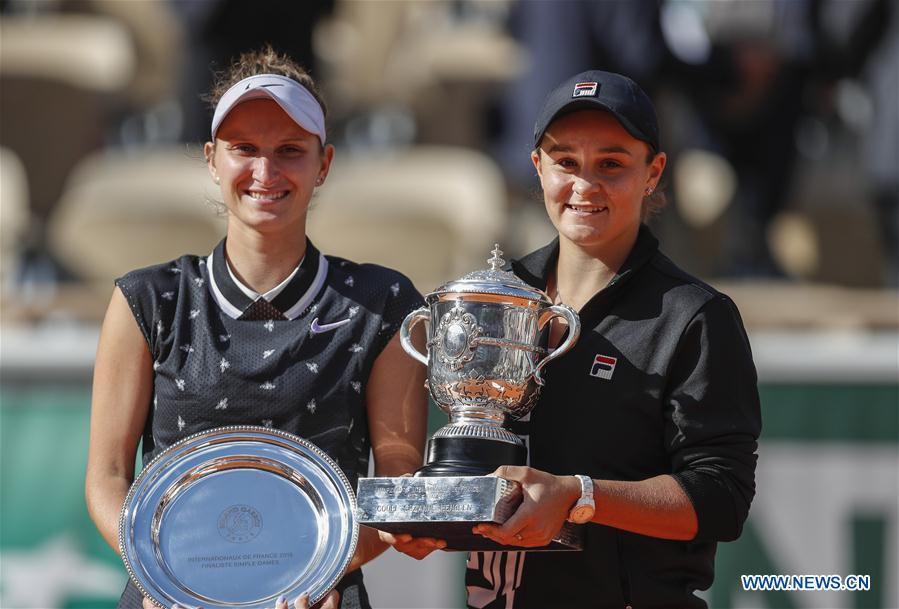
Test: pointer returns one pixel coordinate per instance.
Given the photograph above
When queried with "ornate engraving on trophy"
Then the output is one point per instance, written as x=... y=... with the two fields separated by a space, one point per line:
x=454 y=341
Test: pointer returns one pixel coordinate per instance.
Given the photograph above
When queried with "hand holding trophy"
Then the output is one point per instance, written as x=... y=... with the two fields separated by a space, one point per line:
x=487 y=348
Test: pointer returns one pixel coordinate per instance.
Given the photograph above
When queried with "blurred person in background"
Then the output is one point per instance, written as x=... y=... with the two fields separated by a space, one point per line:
x=743 y=96
x=740 y=81
x=621 y=35
x=646 y=431
x=757 y=75
x=265 y=330
x=872 y=53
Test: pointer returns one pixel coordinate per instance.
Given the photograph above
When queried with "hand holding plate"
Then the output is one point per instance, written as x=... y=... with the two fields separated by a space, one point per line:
x=331 y=601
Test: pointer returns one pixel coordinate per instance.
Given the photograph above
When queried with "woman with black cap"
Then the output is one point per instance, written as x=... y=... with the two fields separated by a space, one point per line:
x=265 y=330
x=646 y=431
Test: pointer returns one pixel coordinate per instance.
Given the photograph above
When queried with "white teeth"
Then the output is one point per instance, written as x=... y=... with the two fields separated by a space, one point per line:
x=266 y=195
x=588 y=210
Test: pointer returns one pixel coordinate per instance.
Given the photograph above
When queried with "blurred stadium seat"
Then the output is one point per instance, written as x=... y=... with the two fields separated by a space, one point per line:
x=432 y=212
x=439 y=61
x=156 y=36
x=123 y=210
x=63 y=75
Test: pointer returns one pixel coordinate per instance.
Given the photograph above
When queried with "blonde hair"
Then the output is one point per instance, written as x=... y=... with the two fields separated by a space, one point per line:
x=262 y=61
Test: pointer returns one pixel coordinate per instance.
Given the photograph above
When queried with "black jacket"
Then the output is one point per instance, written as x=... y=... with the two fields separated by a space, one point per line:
x=661 y=381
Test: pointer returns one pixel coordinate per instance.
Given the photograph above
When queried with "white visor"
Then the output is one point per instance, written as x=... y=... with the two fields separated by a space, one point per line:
x=294 y=99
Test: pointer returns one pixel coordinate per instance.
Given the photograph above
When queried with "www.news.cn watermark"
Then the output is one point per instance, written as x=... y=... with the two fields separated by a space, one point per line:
x=805 y=582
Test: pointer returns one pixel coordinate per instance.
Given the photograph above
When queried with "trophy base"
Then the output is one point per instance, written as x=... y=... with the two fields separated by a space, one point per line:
x=448 y=508
x=459 y=456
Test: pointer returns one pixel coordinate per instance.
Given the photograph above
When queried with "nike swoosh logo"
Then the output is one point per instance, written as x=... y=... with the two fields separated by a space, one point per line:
x=317 y=328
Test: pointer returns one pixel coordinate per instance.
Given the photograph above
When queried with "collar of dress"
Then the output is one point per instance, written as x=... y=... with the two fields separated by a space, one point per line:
x=290 y=297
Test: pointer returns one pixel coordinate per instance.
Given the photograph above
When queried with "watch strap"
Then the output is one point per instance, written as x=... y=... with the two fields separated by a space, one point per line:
x=586 y=498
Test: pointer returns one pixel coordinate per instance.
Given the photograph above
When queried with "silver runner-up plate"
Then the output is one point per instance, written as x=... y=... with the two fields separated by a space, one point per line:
x=232 y=518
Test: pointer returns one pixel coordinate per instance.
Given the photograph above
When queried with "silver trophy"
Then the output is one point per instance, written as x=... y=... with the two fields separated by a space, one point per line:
x=487 y=349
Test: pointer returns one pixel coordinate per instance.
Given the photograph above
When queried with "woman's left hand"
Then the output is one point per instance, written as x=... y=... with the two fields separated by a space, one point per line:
x=546 y=503
x=416 y=547
x=331 y=601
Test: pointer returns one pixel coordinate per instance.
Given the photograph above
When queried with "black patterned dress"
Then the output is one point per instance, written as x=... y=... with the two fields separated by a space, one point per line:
x=296 y=359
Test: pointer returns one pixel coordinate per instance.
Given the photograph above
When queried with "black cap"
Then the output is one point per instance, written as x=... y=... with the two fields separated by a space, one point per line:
x=595 y=89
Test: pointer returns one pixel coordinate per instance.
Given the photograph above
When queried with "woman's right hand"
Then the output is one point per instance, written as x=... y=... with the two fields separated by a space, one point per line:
x=416 y=547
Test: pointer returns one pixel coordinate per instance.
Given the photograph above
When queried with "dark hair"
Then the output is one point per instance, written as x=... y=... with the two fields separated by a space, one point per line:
x=263 y=61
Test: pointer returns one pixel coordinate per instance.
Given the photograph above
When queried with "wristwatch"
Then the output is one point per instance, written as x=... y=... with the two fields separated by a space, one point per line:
x=583 y=510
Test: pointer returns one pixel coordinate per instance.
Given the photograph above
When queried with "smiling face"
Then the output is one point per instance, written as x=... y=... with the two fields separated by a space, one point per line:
x=594 y=176
x=267 y=167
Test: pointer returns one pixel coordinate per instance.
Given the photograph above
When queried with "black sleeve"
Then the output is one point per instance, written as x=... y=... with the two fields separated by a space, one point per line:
x=152 y=295
x=139 y=296
x=713 y=419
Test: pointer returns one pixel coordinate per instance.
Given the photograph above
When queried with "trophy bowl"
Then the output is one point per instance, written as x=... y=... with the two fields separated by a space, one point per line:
x=487 y=347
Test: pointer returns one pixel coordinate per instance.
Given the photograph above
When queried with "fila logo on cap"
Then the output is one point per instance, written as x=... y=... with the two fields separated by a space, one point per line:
x=603 y=366
x=585 y=89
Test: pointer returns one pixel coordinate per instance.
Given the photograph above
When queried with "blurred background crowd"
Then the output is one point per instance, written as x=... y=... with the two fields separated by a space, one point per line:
x=779 y=116
x=780 y=119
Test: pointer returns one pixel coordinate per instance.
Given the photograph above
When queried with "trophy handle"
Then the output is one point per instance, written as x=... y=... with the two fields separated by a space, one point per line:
x=574 y=331
x=413 y=318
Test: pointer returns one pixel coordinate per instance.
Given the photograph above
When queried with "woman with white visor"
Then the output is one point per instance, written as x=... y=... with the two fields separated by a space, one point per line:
x=264 y=330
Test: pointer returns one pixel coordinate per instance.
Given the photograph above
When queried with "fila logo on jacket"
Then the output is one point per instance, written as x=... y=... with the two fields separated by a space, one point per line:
x=603 y=366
